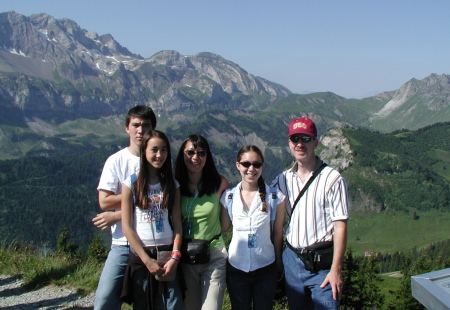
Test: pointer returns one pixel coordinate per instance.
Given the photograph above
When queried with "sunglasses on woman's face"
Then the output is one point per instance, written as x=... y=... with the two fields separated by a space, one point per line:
x=247 y=164
x=303 y=139
x=191 y=153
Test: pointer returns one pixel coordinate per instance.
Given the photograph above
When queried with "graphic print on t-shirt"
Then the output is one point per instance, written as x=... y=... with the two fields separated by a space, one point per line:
x=154 y=213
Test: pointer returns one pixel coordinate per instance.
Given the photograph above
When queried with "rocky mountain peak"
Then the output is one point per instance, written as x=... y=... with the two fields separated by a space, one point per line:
x=53 y=69
x=428 y=98
x=89 y=75
x=337 y=152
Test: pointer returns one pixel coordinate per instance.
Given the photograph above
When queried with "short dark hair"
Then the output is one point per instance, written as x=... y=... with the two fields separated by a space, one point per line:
x=142 y=112
x=211 y=179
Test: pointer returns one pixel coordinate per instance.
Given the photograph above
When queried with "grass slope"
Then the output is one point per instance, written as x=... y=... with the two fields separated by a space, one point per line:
x=395 y=231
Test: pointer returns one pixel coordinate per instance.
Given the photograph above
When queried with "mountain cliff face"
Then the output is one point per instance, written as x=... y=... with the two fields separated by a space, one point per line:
x=52 y=69
x=337 y=151
x=53 y=73
x=416 y=104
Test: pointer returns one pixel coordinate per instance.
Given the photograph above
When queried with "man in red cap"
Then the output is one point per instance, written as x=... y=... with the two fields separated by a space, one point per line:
x=317 y=233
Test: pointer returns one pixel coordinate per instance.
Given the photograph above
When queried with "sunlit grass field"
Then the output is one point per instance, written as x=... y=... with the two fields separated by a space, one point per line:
x=390 y=231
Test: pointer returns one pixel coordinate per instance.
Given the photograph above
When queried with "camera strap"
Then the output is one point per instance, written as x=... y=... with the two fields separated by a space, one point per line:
x=311 y=179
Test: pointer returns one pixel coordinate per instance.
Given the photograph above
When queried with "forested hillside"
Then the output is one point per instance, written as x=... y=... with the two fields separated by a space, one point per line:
x=41 y=195
x=405 y=171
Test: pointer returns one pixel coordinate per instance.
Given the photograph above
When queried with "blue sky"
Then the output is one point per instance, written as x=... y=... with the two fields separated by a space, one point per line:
x=352 y=48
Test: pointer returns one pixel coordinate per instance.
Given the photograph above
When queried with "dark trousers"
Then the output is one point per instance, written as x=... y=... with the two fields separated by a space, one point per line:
x=255 y=287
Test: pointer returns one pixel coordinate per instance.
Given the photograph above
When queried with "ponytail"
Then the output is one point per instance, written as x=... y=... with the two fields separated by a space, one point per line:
x=262 y=193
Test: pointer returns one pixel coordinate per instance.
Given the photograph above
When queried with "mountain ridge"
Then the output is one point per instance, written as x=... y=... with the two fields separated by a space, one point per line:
x=61 y=81
x=80 y=71
x=54 y=70
x=433 y=86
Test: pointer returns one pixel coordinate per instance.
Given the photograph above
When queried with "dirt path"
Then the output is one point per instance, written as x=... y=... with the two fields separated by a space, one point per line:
x=13 y=295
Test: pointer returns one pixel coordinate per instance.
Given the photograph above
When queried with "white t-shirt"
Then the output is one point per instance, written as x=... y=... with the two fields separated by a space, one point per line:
x=152 y=224
x=118 y=167
x=255 y=225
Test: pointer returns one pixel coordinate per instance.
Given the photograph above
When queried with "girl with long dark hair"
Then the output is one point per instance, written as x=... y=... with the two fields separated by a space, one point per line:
x=151 y=221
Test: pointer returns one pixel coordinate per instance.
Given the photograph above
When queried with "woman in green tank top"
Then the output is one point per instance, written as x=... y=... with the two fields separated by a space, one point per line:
x=201 y=186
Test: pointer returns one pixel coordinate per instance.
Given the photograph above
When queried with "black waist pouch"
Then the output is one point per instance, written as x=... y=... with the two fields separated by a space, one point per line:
x=316 y=257
x=195 y=251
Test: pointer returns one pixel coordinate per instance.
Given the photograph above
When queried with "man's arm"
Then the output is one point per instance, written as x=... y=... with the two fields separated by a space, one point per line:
x=334 y=277
x=108 y=201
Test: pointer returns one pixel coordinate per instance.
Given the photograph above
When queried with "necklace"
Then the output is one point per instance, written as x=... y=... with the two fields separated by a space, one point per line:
x=187 y=224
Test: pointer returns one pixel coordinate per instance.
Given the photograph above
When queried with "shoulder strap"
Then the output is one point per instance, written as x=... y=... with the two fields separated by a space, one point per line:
x=273 y=203
x=273 y=209
x=230 y=202
x=133 y=179
x=311 y=179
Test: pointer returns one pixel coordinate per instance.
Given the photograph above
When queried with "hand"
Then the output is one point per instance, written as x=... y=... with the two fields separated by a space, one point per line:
x=170 y=267
x=105 y=220
x=154 y=268
x=334 y=278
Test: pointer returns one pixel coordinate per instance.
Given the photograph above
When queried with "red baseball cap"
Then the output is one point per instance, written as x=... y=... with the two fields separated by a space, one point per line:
x=303 y=125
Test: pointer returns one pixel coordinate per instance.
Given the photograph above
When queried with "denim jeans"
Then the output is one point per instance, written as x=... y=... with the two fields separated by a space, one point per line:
x=109 y=286
x=303 y=287
x=172 y=299
x=255 y=287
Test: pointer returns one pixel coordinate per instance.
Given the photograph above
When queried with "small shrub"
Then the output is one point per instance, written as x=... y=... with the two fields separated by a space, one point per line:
x=97 y=250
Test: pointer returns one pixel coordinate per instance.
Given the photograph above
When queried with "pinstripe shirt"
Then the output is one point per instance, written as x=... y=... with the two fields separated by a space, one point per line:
x=325 y=201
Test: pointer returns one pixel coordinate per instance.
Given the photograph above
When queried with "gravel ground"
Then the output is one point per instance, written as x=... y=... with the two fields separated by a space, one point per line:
x=14 y=296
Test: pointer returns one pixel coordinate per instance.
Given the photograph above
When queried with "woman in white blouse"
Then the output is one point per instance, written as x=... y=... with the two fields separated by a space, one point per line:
x=257 y=214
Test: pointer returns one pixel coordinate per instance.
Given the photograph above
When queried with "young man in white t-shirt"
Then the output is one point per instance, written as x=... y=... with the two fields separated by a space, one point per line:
x=319 y=217
x=116 y=170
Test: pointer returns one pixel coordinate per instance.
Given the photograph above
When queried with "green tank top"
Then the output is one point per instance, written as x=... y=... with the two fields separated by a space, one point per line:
x=204 y=216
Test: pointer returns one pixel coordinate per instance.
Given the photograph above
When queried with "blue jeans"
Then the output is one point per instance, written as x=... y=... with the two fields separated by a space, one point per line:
x=303 y=287
x=109 y=286
x=257 y=287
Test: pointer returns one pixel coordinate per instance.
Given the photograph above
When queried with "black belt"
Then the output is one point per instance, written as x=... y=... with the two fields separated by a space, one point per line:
x=299 y=251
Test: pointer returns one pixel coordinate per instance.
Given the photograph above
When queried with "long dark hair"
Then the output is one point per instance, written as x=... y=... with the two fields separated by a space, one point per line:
x=210 y=180
x=261 y=183
x=165 y=174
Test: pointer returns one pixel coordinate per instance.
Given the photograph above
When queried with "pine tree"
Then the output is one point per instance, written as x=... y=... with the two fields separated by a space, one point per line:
x=361 y=290
x=349 y=272
x=63 y=245
x=96 y=249
x=403 y=296
x=369 y=293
